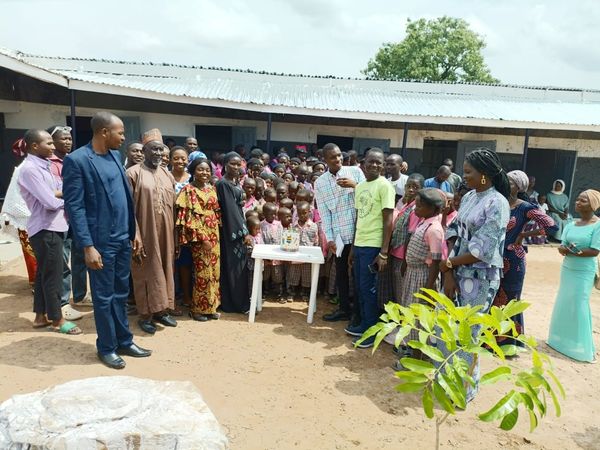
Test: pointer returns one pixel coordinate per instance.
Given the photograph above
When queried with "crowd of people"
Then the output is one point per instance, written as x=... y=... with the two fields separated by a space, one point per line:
x=171 y=229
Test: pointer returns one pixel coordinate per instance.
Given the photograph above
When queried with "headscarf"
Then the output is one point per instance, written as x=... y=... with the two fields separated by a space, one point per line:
x=520 y=179
x=562 y=190
x=594 y=198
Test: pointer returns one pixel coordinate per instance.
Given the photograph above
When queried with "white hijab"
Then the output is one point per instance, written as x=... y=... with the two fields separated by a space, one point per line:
x=561 y=190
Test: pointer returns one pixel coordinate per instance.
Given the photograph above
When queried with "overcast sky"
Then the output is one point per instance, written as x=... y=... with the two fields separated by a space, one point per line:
x=533 y=43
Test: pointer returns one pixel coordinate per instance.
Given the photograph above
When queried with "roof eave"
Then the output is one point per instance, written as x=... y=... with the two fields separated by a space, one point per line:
x=278 y=109
x=16 y=65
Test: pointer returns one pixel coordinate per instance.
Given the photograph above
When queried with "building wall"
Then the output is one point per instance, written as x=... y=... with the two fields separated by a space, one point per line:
x=39 y=115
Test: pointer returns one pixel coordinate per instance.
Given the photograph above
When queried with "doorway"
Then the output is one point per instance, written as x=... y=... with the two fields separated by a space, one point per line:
x=344 y=143
x=547 y=165
x=434 y=153
x=217 y=138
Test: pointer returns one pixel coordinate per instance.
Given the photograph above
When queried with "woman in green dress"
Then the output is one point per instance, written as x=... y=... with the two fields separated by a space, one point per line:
x=558 y=208
x=571 y=325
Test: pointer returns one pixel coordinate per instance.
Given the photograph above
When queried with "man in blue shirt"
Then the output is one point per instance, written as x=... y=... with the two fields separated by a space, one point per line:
x=440 y=180
x=99 y=205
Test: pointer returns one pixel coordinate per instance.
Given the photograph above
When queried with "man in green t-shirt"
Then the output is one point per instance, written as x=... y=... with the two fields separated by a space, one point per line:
x=374 y=202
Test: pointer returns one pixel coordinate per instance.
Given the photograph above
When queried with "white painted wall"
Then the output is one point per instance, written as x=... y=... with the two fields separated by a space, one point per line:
x=23 y=115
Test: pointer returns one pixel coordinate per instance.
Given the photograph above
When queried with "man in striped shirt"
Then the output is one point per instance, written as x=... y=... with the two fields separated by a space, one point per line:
x=334 y=193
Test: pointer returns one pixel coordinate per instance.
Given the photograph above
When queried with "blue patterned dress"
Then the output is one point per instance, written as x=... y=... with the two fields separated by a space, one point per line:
x=480 y=228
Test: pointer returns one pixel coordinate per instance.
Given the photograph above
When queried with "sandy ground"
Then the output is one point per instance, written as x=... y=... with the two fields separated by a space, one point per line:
x=280 y=383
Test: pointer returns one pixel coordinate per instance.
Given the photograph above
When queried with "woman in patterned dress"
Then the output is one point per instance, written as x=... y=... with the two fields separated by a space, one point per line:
x=521 y=213
x=472 y=273
x=198 y=226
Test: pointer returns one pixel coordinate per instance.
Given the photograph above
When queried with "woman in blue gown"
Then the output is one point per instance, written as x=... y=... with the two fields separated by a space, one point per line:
x=571 y=324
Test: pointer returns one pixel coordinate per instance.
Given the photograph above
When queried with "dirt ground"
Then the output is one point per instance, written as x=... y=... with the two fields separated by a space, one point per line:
x=280 y=383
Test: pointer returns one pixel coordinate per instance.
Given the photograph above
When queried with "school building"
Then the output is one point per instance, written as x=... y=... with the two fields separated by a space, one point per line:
x=549 y=132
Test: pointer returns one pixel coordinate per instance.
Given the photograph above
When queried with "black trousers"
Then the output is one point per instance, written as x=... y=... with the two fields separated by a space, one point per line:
x=342 y=279
x=48 y=249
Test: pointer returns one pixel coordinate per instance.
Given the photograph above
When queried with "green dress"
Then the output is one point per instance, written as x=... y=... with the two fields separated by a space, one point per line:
x=559 y=202
x=571 y=324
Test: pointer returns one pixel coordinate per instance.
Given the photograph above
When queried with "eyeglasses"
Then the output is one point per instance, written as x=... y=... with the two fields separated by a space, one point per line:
x=64 y=129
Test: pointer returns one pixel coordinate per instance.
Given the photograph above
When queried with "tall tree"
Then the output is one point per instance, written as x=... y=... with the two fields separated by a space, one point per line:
x=443 y=49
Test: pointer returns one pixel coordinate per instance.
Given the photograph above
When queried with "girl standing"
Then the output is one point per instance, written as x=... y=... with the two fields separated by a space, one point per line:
x=198 y=226
x=235 y=296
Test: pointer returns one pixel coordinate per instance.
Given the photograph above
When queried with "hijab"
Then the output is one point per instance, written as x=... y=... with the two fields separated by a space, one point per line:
x=594 y=197
x=561 y=190
x=520 y=179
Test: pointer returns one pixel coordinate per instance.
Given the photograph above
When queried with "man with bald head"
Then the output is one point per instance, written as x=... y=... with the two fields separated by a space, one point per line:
x=393 y=172
x=99 y=205
x=440 y=181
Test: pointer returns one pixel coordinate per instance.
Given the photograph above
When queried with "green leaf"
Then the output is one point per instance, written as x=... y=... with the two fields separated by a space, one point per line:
x=417 y=365
x=423 y=336
x=527 y=400
x=522 y=381
x=500 y=373
x=510 y=420
x=442 y=398
x=407 y=315
x=504 y=406
x=491 y=342
x=537 y=361
x=402 y=333
x=428 y=403
x=506 y=326
x=425 y=298
x=428 y=350
x=515 y=307
x=410 y=387
x=392 y=311
x=557 y=382
x=383 y=332
x=441 y=299
x=447 y=334
x=509 y=349
x=453 y=391
x=411 y=377
x=533 y=420
x=464 y=333
x=372 y=331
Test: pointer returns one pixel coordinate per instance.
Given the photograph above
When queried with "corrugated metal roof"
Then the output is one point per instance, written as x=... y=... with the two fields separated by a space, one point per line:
x=390 y=98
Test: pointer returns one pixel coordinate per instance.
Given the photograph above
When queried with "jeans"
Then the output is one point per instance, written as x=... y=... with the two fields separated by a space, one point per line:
x=74 y=274
x=110 y=290
x=366 y=285
x=48 y=249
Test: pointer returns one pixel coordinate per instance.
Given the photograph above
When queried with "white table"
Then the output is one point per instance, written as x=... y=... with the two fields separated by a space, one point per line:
x=312 y=255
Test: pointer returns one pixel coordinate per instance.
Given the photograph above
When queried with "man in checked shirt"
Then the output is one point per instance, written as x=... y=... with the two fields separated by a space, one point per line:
x=334 y=193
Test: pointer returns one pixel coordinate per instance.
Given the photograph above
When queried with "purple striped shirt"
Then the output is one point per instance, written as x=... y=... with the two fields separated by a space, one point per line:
x=38 y=187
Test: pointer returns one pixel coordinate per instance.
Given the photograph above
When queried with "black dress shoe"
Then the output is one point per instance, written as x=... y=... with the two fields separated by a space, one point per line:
x=134 y=350
x=198 y=317
x=147 y=326
x=112 y=360
x=336 y=316
x=165 y=320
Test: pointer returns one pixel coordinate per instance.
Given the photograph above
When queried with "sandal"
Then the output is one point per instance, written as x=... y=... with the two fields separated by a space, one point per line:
x=68 y=328
x=175 y=312
x=42 y=325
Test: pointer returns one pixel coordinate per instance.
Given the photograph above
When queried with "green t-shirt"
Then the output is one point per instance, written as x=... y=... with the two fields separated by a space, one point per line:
x=370 y=199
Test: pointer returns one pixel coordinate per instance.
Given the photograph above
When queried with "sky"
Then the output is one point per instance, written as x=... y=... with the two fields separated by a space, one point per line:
x=544 y=43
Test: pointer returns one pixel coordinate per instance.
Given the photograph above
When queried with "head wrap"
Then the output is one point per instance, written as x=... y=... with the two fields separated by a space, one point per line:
x=561 y=190
x=152 y=135
x=594 y=198
x=19 y=148
x=520 y=179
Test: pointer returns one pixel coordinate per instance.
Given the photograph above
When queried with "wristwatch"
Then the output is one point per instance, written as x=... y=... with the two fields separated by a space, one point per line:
x=449 y=264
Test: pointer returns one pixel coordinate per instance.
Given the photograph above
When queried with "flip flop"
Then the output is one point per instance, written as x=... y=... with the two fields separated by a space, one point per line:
x=68 y=328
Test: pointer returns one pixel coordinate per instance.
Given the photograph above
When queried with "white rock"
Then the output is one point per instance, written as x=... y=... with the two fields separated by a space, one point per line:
x=110 y=413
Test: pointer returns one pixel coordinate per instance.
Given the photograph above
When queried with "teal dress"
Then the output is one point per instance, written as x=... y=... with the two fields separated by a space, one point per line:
x=571 y=324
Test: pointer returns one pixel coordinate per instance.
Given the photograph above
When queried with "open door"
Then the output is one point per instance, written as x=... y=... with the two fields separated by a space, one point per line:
x=465 y=147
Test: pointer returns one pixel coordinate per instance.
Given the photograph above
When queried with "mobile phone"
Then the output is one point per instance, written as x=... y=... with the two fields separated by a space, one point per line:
x=373 y=268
